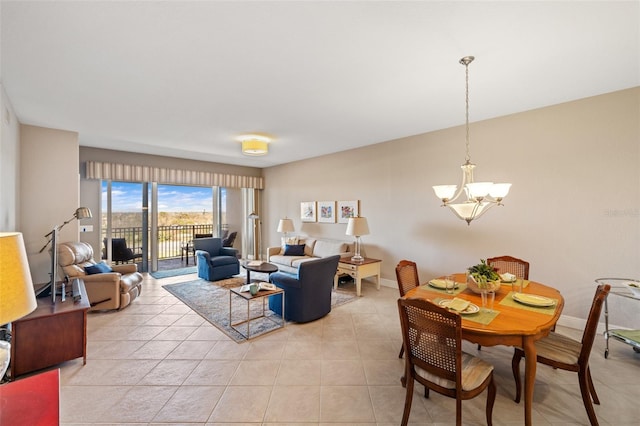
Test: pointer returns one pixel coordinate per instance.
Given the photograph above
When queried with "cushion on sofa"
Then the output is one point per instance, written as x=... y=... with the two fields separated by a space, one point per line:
x=294 y=250
x=329 y=248
x=288 y=240
x=98 y=268
x=299 y=260
x=280 y=259
x=309 y=245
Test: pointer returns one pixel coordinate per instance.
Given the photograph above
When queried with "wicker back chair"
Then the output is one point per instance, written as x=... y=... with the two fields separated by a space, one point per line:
x=432 y=338
x=568 y=354
x=407 y=276
x=512 y=265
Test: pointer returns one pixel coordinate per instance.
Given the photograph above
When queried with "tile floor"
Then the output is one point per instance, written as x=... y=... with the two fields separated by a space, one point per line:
x=158 y=363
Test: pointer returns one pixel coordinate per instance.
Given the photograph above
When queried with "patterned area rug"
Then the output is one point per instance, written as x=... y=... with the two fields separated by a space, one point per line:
x=210 y=300
x=173 y=272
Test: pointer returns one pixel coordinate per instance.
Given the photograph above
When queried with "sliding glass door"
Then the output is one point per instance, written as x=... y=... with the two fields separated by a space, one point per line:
x=159 y=222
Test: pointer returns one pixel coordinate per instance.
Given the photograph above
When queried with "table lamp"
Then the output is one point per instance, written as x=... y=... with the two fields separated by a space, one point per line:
x=285 y=225
x=17 y=296
x=357 y=226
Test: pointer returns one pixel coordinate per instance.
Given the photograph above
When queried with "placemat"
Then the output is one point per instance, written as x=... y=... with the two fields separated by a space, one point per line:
x=456 y=291
x=525 y=284
x=483 y=317
x=508 y=301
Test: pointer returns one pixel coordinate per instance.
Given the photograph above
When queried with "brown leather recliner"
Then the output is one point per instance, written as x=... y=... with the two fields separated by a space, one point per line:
x=107 y=290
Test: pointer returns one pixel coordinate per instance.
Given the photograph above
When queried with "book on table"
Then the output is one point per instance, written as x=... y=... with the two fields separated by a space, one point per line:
x=261 y=286
x=254 y=263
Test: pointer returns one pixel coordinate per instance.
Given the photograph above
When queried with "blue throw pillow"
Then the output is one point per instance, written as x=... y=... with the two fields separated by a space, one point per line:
x=98 y=268
x=294 y=250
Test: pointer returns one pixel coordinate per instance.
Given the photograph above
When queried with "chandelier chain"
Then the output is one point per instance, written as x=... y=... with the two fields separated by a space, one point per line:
x=466 y=66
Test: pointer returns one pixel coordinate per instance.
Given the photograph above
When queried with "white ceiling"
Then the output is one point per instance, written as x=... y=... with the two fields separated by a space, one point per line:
x=185 y=79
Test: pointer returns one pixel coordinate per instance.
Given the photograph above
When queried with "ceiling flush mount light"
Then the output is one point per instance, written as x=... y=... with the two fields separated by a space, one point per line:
x=255 y=145
x=481 y=196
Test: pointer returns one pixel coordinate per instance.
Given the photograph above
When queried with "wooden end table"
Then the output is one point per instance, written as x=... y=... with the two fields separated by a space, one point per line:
x=358 y=270
x=51 y=334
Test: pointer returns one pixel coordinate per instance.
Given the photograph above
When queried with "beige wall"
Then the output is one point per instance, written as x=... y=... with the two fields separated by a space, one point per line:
x=9 y=165
x=573 y=211
x=49 y=186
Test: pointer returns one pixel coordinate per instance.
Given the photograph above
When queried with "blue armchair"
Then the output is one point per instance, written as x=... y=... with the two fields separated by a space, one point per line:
x=214 y=261
x=307 y=295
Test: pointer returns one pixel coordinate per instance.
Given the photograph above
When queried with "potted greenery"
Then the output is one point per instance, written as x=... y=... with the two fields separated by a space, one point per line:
x=483 y=277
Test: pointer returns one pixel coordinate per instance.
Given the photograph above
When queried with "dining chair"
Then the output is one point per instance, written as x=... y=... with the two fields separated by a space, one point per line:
x=565 y=353
x=432 y=338
x=512 y=265
x=407 y=276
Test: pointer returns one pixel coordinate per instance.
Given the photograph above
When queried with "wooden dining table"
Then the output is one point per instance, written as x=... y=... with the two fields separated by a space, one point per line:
x=514 y=325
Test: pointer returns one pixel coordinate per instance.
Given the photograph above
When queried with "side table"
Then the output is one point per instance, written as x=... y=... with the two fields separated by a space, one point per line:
x=262 y=295
x=51 y=334
x=358 y=270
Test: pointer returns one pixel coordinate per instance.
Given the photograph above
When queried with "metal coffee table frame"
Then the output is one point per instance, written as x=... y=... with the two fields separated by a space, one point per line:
x=262 y=294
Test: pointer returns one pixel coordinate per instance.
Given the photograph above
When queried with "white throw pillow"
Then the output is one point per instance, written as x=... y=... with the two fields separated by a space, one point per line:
x=287 y=241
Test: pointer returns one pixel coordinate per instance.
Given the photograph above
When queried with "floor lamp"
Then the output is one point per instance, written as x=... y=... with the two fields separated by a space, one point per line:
x=257 y=241
x=80 y=213
x=17 y=296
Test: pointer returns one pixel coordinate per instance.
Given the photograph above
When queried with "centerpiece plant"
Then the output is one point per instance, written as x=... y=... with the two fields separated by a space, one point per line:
x=484 y=275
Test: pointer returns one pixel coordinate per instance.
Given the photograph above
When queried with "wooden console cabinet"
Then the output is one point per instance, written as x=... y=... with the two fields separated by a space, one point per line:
x=51 y=334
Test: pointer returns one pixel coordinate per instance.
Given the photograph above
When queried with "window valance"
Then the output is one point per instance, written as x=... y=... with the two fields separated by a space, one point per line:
x=134 y=173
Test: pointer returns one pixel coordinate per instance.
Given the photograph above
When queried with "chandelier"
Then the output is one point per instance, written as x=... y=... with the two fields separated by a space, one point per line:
x=480 y=196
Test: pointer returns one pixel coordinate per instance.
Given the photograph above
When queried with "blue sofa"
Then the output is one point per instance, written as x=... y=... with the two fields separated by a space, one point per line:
x=307 y=294
x=214 y=261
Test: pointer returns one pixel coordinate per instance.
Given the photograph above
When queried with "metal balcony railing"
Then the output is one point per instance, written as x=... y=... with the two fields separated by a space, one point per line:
x=171 y=239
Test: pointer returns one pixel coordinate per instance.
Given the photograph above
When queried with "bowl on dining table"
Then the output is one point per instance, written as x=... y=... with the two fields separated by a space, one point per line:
x=476 y=288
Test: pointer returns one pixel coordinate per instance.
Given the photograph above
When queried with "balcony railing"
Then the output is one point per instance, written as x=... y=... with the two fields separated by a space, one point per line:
x=170 y=238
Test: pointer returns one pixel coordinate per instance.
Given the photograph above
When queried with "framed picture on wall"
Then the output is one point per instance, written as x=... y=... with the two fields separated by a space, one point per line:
x=327 y=211
x=347 y=209
x=308 y=211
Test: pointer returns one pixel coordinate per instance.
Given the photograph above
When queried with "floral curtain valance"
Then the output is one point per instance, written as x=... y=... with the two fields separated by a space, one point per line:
x=133 y=173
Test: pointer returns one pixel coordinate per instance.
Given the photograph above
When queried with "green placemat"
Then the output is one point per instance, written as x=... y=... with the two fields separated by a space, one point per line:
x=483 y=317
x=460 y=289
x=525 y=284
x=508 y=301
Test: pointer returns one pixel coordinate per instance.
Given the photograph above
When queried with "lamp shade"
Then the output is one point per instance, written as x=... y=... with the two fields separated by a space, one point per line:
x=83 y=213
x=17 y=296
x=254 y=147
x=357 y=226
x=285 y=225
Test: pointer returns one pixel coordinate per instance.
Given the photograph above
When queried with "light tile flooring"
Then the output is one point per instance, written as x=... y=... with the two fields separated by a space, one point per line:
x=158 y=363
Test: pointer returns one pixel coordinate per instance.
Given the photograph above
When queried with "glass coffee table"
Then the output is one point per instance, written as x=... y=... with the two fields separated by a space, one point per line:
x=265 y=267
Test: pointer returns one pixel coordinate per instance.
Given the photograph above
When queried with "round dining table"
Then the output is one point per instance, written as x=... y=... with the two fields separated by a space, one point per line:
x=513 y=325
